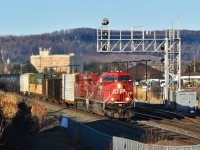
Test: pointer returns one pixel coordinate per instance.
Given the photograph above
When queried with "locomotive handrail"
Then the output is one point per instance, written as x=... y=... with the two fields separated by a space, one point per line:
x=90 y=95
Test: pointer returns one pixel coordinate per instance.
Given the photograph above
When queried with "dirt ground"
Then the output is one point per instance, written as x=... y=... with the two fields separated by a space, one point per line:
x=55 y=138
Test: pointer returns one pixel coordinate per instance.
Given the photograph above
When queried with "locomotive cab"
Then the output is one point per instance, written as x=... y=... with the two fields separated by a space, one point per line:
x=118 y=94
x=117 y=87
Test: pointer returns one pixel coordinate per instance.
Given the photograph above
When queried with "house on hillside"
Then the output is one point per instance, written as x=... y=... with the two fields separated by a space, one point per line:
x=45 y=62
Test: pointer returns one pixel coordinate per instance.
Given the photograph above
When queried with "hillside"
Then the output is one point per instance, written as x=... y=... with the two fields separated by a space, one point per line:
x=81 y=41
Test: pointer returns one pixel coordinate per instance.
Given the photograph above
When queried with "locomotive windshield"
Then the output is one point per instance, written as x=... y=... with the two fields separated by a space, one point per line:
x=109 y=79
x=124 y=78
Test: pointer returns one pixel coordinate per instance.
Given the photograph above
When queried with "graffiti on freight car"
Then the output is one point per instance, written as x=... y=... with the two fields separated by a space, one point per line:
x=38 y=81
x=32 y=80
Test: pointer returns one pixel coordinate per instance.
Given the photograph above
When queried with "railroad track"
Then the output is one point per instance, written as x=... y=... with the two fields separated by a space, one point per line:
x=162 y=133
x=182 y=123
x=165 y=134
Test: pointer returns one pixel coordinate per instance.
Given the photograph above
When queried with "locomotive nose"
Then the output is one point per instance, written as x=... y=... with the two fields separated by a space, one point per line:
x=121 y=86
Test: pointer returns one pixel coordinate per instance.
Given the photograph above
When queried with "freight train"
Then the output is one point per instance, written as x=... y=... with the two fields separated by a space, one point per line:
x=110 y=94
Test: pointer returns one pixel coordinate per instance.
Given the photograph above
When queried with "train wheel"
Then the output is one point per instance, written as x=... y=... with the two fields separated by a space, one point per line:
x=112 y=113
x=67 y=105
x=75 y=105
x=121 y=115
x=127 y=115
x=108 y=113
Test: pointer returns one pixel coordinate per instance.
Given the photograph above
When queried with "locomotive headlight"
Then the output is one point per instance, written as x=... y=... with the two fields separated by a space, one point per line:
x=119 y=86
x=112 y=99
x=127 y=99
x=131 y=93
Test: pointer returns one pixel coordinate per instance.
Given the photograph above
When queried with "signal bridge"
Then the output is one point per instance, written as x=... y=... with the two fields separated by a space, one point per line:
x=167 y=42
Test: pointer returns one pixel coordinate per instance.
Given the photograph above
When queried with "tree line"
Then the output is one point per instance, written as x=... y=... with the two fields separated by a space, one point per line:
x=80 y=41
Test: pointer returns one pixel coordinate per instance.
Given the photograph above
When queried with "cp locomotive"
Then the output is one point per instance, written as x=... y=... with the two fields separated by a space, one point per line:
x=109 y=94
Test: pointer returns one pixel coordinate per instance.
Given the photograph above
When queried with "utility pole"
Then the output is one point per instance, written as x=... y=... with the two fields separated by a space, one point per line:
x=189 y=75
x=146 y=60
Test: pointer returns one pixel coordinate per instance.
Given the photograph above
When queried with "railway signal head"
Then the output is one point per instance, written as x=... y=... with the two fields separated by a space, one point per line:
x=162 y=47
x=105 y=48
x=105 y=21
x=162 y=60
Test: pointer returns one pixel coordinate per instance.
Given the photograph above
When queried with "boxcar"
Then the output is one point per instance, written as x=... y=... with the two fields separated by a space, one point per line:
x=68 y=88
x=37 y=84
x=54 y=89
x=24 y=83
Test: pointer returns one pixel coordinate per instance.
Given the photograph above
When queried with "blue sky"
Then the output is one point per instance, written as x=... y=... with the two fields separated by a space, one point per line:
x=25 y=17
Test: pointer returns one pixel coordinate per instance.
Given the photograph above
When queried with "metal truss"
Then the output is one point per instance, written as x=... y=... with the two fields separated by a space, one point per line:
x=137 y=39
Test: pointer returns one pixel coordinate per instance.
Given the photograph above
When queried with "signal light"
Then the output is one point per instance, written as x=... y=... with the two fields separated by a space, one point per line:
x=105 y=21
x=105 y=48
x=105 y=34
x=162 y=60
x=162 y=47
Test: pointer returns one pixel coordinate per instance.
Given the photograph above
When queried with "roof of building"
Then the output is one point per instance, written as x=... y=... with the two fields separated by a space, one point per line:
x=191 y=74
x=139 y=72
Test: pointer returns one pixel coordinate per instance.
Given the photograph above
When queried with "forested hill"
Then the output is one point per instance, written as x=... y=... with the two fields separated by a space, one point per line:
x=81 y=41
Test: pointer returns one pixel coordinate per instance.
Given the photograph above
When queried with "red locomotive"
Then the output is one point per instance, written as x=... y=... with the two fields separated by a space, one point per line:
x=110 y=94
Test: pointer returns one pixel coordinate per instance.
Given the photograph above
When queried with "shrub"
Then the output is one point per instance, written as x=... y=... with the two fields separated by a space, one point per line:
x=37 y=111
x=9 y=105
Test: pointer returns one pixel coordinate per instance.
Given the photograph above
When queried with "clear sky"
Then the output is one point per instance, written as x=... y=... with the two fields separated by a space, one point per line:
x=25 y=17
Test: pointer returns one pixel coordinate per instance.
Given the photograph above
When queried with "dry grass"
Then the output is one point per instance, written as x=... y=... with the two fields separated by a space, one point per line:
x=9 y=105
x=38 y=110
x=141 y=94
x=152 y=96
x=8 y=109
x=196 y=89
x=150 y=136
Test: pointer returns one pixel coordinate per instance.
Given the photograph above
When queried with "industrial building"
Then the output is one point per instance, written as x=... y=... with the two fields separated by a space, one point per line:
x=45 y=62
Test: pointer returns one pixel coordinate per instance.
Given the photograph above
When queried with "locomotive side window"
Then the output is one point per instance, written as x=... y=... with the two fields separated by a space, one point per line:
x=124 y=78
x=109 y=79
